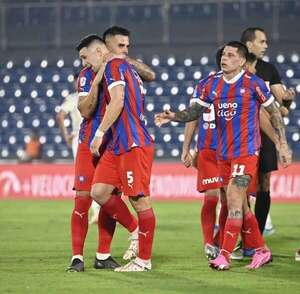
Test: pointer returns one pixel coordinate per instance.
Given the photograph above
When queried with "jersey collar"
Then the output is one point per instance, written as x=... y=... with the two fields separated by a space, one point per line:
x=234 y=79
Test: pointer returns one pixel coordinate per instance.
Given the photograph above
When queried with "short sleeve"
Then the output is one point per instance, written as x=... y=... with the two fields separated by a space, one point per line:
x=263 y=94
x=115 y=73
x=275 y=76
x=201 y=95
x=84 y=81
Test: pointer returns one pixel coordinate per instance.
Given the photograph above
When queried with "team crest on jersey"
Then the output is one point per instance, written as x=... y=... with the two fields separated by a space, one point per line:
x=81 y=179
x=82 y=81
x=242 y=91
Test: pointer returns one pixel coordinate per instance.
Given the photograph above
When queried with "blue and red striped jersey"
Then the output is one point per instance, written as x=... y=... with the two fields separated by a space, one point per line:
x=129 y=130
x=84 y=83
x=207 y=132
x=237 y=104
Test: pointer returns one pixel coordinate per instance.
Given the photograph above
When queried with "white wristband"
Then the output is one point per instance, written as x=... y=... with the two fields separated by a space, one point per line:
x=99 y=133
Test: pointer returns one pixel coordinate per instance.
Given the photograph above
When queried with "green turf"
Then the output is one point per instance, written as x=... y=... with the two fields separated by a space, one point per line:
x=35 y=250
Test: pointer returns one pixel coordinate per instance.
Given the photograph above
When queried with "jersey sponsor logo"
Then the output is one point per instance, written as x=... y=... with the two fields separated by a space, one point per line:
x=227 y=110
x=260 y=93
x=82 y=81
x=211 y=180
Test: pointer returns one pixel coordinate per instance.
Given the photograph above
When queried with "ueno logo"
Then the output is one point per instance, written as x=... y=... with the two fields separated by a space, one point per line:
x=227 y=110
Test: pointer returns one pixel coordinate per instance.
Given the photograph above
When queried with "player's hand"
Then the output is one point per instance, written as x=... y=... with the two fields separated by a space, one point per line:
x=163 y=117
x=284 y=111
x=109 y=56
x=69 y=140
x=95 y=145
x=285 y=154
x=290 y=94
x=186 y=158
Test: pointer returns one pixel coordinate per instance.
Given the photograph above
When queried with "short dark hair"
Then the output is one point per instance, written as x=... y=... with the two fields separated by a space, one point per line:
x=86 y=41
x=251 y=57
x=219 y=56
x=241 y=48
x=115 y=30
x=249 y=34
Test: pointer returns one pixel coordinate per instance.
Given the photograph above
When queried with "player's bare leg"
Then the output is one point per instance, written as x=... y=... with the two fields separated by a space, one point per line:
x=95 y=213
x=146 y=220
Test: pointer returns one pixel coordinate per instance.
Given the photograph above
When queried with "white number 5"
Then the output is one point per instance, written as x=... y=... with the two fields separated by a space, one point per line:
x=130 y=178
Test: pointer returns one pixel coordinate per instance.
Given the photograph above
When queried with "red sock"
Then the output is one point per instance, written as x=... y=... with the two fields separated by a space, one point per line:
x=146 y=233
x=222 y=221
x=106 y=228
x=80 y=223
x=208 y=218
x=251 y=235
x=231 y=232
x=118 y=210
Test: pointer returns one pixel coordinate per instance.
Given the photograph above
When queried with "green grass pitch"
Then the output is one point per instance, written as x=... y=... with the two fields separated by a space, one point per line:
x=35 y=250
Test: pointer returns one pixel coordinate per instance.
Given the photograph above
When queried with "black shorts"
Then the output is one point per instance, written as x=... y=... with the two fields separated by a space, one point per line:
x=268 y=155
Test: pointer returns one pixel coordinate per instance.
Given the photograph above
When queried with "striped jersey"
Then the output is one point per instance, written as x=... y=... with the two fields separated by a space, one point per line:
x=129 y=130
x=237 y=104
x=89 y=126
x=207 y=132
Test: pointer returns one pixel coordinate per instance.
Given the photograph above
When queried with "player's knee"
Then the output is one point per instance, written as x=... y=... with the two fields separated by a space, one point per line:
x=140 y=203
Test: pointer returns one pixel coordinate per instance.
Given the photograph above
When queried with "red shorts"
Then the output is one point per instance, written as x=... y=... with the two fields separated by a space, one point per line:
x=129 y=171
x=208 y=172
x=85 y=165
x=247 y=165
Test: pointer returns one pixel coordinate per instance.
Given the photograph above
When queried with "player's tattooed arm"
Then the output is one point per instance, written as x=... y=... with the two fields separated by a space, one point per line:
x=285 y=154
x=143 y=70
x=189 y=114
x=276 y=121
x=87 y=104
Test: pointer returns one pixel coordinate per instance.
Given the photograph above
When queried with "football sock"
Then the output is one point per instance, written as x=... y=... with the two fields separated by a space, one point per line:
x=222 y=221
x=106 y=229
x=146 y=233
x=208 y=218
x=262 y=208
x=251 y=236
x=79 y=223
x=231 y=233
x=118 y=210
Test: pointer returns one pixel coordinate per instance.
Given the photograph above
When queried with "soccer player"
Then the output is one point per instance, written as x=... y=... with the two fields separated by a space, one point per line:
x=128 y=159
x=208 y=179
x=117 y=40
x=91 y=103
x=237 y=95
x=256 y=41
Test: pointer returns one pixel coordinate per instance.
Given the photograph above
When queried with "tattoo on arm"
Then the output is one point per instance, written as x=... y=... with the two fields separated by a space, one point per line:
x=276 y=121
x=189 y=114
x=241 y=181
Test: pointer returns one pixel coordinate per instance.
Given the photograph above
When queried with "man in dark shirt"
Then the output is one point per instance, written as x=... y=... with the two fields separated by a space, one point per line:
x=256 y=41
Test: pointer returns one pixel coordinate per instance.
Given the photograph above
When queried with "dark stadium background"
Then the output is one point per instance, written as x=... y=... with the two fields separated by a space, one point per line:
x=177 y=38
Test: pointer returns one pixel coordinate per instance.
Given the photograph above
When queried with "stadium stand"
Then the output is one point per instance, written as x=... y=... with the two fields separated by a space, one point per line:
x=31 y=91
